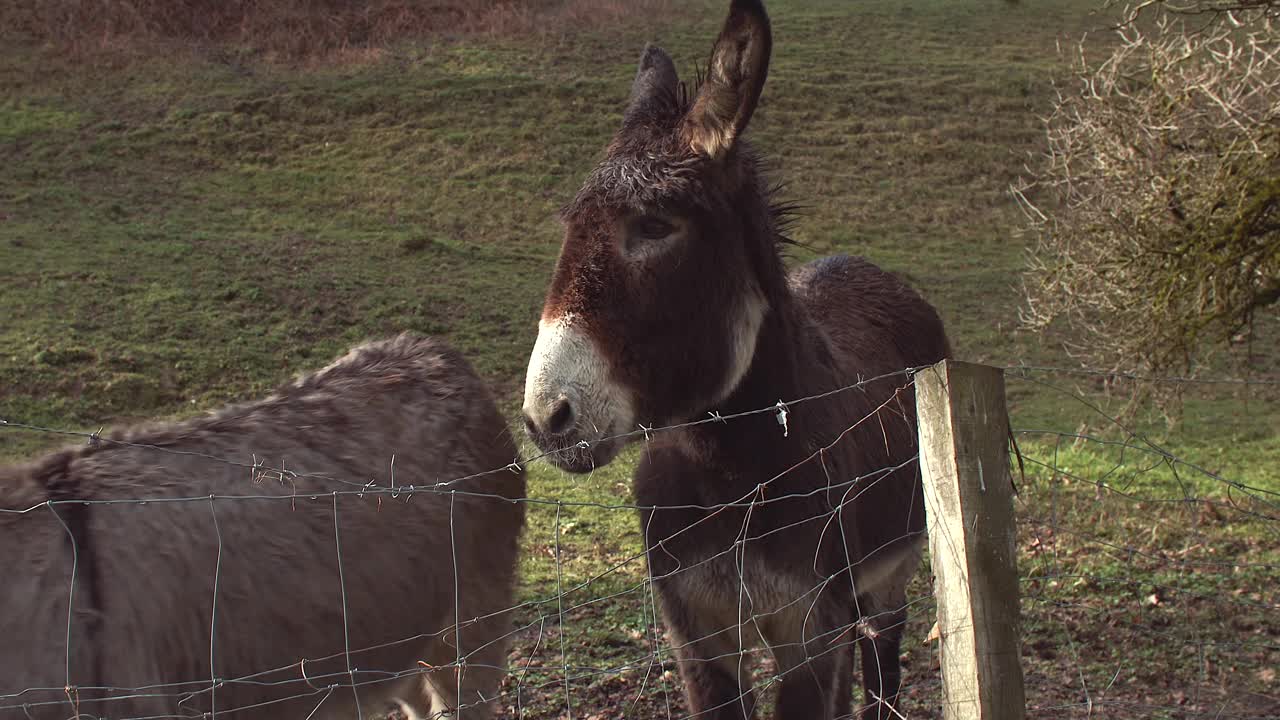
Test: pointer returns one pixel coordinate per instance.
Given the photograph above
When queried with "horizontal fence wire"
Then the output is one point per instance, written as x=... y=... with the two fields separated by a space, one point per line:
x=1149 y=587
x=543 y=617
x=1032 y=371
x=1151 y=582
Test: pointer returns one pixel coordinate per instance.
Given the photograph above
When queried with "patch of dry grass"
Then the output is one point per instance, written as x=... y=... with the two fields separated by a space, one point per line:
x=296 y=29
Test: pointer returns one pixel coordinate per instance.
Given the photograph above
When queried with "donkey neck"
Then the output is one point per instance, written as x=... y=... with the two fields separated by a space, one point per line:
x=784 y=362
x=791 y=361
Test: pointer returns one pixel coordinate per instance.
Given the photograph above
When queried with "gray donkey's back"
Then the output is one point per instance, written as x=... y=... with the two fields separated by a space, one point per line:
x=303 y=585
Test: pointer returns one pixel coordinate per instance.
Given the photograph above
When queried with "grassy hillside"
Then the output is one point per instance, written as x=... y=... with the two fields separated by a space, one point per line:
x=181 y=231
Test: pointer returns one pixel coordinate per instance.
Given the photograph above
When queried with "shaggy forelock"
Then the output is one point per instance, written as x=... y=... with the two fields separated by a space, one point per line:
x=647 y=164
x=650 y=166
x=640 y=181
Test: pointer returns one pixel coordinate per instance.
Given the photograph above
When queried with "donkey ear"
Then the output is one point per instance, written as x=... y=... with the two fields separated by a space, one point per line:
x=655 y=80
x=739 y=66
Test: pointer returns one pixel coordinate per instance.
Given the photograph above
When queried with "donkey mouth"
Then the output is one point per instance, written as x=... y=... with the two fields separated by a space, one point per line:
x=576 y=454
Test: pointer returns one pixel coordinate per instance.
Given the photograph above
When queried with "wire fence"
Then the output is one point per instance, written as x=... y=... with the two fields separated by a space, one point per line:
x=1150 y=587
x=1149 y=580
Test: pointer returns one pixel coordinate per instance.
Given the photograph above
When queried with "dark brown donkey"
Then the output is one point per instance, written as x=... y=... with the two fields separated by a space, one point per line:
x=670 y=301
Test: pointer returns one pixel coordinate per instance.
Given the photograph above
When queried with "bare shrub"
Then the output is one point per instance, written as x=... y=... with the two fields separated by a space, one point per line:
x=1156 y=209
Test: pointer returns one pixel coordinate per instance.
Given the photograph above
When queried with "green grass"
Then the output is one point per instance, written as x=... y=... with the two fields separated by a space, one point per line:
x=181 y=232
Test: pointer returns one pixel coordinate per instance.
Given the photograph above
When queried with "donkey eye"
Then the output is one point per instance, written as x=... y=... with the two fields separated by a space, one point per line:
x=653 y=228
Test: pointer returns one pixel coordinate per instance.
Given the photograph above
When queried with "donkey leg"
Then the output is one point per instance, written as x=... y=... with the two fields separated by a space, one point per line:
x=712 y=665
x=715 y=688
x=880 y=645
x=844 y=683
x=465 y=683
x=815 y=679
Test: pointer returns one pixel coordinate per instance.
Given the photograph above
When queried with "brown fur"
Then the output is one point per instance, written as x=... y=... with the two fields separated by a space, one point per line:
x=144 y=595
x=803 y=542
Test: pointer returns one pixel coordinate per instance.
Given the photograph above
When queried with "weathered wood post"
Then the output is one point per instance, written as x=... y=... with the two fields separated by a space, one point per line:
x=968 y=490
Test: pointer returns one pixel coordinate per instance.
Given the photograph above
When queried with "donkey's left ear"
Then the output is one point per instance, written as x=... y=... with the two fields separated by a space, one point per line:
x=739 y=66
x=655 y=82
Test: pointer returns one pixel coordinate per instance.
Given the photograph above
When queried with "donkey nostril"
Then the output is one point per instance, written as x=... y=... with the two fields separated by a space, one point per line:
x=558 y=422
x=561 y=417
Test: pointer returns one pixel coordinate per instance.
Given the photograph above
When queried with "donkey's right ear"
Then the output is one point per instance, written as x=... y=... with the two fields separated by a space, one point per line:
x=655 y=82
x=735 y=77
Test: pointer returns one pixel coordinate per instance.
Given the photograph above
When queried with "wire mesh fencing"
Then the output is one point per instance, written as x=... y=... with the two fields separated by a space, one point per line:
x=1150 y=579
x=1148 y=582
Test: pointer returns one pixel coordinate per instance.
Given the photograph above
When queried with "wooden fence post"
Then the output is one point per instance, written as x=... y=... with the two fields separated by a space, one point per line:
x=968 y=490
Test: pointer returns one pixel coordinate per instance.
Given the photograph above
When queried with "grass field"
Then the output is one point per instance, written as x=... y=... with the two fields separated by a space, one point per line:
x=189 y=229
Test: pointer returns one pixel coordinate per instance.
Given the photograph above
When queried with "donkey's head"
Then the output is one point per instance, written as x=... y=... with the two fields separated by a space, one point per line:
x=663 y=280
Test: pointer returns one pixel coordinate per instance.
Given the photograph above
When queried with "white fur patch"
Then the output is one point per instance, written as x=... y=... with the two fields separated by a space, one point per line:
x=745 y=333
x=565 y=364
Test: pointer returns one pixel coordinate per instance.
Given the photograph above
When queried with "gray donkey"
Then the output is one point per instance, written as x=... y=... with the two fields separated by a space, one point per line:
x=292 y=582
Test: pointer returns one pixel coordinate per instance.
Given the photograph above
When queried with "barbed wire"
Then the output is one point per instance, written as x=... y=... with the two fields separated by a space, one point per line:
x=1139 y=577
x=1024 y=371
x=642 y=431
x=749 y=501
x=1053 y=593
x=1133 y=433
